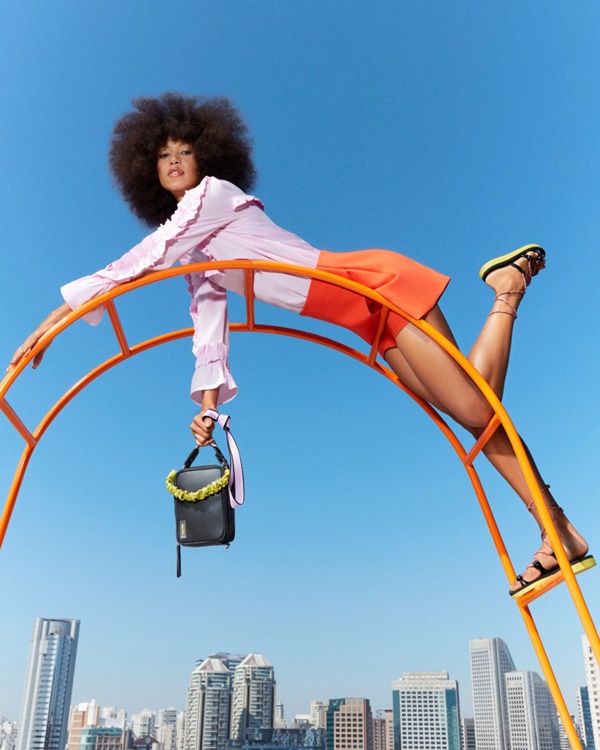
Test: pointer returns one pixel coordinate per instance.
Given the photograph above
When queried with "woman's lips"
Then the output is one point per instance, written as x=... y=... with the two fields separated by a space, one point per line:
x=175 y=172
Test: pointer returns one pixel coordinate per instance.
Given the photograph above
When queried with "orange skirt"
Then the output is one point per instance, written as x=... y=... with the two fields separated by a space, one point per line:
x=408 y=284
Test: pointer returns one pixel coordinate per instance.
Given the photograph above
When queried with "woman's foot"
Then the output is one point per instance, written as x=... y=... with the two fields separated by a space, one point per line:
x=533 y=255
x=544 y=562
x=510 y=276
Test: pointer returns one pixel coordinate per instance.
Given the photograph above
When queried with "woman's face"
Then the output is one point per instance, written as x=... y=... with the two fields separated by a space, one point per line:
x=177 y=168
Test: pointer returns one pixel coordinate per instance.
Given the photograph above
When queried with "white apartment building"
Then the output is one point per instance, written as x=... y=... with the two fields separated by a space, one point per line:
x=166 y=728
x=48 y=685
x=592 y=678
x=426 y=711
x=143 y=724
x=532 y=717
x=318 y=714
x=208 y=707
x=490 y=661
x=253 y=699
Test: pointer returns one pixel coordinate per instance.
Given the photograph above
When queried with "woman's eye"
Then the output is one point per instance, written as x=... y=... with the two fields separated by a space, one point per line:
x=164 y=155
x=186 y=152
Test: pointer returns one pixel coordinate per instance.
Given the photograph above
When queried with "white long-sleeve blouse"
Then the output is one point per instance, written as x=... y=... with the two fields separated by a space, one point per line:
x=213 y=221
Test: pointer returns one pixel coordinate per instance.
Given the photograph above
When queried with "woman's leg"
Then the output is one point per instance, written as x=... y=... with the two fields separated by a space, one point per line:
x=426 y=368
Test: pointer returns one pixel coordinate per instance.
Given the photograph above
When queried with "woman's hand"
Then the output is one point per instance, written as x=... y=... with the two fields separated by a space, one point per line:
x=55 y=317
x=202 y=429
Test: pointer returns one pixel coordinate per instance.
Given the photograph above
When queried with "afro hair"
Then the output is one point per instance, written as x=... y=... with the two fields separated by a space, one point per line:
x=212 y=126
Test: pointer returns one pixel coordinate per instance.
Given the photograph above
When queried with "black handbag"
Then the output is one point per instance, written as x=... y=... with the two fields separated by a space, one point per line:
x=206 y=497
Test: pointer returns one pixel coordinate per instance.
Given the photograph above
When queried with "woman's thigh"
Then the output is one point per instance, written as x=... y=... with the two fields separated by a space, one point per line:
x=429 y=371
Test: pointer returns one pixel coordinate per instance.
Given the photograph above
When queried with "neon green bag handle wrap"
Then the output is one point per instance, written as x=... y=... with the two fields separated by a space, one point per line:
x=201 y=494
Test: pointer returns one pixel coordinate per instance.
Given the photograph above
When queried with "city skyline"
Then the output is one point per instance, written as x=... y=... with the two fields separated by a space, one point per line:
x=232 y=704
x=214 y=662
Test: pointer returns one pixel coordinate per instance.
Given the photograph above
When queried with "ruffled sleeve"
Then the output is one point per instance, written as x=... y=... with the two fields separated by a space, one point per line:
x=211 y=339
x=189 y=226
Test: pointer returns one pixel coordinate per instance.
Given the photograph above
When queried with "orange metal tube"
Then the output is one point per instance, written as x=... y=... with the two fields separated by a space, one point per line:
x=383 y=316
x=17 y=423
x=249 y=289
x=561 y=706
x=116 y=323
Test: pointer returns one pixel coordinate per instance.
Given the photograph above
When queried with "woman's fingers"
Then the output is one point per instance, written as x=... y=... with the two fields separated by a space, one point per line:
x=39 y=357
x=202 y=429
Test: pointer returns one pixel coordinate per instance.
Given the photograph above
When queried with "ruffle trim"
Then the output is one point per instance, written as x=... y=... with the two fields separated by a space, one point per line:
x=153 y=248
x=241 y=201
x=212 y=371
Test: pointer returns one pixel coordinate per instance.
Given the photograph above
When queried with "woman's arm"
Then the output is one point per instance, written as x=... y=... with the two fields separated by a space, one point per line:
x=55 y=317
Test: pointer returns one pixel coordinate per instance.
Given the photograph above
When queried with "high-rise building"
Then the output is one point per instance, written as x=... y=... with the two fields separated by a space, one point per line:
x=379 y=736
x=253 y=699
x=166 y=728
x=208 y=707
x=584 y=719
x=142 y=724
x=82 y=715
x=181 y=730
x=349 y=724
x=532 y=717
x=592 y=678
x=467 y=734
x=48 y=685
x=279 y=720
x=389 y=728
x=563 y=739
x=490 y=661
x=426 y=712
x=229 y=660
x=318 y=713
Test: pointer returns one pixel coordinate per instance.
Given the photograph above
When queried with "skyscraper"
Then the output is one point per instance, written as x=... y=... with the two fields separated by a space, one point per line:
x=208 y=707
x=592 y=677
x=490 y=661
x=253 y=700
x=349 y=724
x=318 y=712
x=379 y=735
x=532 y=717
x=166 y=728
x=584 y=719
x=389 y=728
x=426 y=712
x=279 y=721
x=48 y=685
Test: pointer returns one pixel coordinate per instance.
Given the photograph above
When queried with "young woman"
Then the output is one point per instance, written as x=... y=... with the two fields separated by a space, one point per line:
x=184 y=163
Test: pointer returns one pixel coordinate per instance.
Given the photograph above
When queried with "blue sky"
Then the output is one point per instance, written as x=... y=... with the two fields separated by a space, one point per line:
x=449 y=131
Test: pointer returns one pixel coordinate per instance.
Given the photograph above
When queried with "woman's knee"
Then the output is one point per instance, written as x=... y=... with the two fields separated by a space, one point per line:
x=475 y=415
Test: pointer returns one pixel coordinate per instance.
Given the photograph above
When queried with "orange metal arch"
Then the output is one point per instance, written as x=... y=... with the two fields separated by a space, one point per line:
x=467 y=457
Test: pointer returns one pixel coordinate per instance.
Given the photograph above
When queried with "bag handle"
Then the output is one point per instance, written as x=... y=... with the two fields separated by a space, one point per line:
x=236 y=478
x=210 y=489
x=235 y=475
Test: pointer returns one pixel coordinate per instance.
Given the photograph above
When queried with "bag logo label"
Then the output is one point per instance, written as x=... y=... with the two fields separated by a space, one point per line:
x=182 y=530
